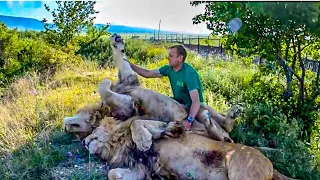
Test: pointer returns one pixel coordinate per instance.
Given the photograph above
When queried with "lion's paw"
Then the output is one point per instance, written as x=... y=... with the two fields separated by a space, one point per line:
x=120 y=173
x=114 y=174
x=174 y=129
x=117 y=42
x=91 y=142
x=142 y=139
x=95 y=141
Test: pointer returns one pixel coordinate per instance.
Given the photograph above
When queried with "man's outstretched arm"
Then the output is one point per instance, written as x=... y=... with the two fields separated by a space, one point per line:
x=145 y=72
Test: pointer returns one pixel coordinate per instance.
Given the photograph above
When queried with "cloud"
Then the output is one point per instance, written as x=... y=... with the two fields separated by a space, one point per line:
x=10 y=4
x=175 y=15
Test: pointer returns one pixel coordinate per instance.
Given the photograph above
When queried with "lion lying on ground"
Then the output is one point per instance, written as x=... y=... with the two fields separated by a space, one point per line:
x=188 y=156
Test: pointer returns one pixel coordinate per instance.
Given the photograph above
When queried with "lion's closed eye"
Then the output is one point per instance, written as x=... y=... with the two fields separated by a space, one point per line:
x=75 y=125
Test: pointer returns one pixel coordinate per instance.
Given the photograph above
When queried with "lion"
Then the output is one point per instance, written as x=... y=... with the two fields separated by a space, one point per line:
x=188 y=156
x=87 y=118
x=127 y=98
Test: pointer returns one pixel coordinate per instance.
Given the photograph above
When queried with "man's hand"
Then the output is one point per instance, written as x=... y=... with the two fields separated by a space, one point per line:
x=187 y=125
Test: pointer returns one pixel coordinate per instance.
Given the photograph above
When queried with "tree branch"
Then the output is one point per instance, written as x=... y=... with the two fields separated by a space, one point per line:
x=284 y=65
x=302 y=90
x=288 y=74
x=269 y=149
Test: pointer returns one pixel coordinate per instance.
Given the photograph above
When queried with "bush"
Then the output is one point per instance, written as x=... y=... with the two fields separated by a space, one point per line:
x=98 y=50
x=20 y=55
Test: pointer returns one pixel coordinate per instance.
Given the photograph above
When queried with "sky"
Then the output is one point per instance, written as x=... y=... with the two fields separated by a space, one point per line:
x=174 y=14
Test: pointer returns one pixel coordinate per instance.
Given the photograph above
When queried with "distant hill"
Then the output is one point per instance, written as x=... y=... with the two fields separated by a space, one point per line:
x=22 y=24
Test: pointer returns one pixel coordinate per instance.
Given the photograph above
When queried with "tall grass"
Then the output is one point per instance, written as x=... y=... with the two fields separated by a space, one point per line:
x=32 y=110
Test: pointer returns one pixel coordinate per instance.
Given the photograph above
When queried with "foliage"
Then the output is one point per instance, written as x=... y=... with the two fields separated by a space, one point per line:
x=280 y=32
x=140 y=50
x=96 y=48
x=19 y=55
x=70 y=19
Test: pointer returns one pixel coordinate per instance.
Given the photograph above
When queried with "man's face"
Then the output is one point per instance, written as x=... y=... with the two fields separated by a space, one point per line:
x=174 y=58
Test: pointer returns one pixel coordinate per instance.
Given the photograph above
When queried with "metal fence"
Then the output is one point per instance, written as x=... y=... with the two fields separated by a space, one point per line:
x=204 y=45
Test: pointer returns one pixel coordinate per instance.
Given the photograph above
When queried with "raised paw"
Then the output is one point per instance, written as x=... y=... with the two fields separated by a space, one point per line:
x=117 y=43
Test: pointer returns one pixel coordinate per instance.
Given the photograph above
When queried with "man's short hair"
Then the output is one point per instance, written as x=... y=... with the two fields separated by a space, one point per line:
x=180 y=50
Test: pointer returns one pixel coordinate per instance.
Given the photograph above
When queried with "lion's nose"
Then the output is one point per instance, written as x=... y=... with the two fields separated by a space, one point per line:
x=66 y=130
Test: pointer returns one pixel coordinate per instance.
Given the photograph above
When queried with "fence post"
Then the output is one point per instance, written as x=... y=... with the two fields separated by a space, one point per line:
x=220 y=47
x=198 y=44
x=182 y=39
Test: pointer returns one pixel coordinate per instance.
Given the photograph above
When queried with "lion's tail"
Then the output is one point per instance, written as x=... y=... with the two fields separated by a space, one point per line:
x=279 y=176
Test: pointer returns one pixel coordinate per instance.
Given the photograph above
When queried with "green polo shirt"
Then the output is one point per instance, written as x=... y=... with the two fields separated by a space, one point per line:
x=182 y=82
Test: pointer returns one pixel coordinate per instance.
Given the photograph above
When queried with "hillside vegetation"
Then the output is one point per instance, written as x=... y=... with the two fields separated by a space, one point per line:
x=45 y=76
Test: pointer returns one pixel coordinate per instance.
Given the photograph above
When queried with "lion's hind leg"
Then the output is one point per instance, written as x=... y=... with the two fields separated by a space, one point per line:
x=226 y=122
x=143 y=132
x=215 y=131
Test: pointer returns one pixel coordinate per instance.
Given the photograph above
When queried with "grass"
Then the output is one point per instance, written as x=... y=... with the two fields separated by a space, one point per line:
x=33 y=110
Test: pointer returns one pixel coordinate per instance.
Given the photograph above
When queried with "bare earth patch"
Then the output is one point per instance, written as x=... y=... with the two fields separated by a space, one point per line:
x=79 y=167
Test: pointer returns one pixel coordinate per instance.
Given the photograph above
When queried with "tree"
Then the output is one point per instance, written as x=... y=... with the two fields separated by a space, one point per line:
x=280 y=32
x=70 y=19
